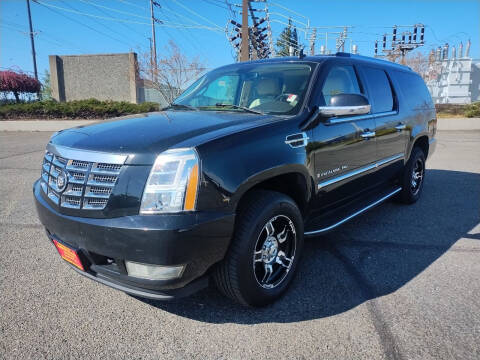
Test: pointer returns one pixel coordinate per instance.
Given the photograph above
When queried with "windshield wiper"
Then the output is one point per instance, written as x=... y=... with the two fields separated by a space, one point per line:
x=180 y=106
x=244 y=108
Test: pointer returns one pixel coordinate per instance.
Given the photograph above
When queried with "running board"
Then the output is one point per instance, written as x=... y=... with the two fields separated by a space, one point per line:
x=323 y=229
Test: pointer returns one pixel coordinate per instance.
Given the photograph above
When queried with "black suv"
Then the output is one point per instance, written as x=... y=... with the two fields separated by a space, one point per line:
x=226 y=182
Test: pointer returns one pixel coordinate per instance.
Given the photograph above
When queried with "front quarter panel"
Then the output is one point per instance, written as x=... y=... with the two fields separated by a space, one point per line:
x=234 y=164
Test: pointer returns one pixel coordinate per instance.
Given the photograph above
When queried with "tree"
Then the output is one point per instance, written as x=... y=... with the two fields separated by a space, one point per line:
x=46 y=86
x=18 y=83
x=419 y=63
x=173 y=73
x=288 y=37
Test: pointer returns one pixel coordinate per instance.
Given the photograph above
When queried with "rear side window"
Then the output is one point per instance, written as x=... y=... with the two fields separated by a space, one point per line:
x=379 y=89
x=414 y=90
x=340 y=80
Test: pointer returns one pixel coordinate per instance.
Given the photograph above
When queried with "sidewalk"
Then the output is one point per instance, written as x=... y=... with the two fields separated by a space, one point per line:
x=444 y=124
x=448 y=124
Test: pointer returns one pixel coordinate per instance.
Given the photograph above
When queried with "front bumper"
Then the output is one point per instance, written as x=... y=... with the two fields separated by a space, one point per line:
x=196 y=240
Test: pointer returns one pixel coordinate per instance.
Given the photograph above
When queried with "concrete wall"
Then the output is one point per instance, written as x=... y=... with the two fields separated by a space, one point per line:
x=152 y=95
x=101 y=76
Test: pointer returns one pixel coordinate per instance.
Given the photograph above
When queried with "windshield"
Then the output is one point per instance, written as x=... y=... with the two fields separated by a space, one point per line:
x=259 y=88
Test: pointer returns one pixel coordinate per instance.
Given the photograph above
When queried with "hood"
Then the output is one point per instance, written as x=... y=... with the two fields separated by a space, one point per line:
x=154 y=133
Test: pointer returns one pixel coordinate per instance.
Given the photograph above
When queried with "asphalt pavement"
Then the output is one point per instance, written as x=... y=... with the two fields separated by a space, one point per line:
x=399 y=282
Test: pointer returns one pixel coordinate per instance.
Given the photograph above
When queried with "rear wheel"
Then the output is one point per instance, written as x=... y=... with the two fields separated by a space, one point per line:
x=264 y=252
x=413 y=177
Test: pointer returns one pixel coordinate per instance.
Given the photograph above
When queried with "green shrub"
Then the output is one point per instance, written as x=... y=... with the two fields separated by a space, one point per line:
x=85 y=109
x=472 y=110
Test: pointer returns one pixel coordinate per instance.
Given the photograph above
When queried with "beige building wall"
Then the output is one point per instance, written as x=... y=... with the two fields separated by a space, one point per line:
x=100 y=76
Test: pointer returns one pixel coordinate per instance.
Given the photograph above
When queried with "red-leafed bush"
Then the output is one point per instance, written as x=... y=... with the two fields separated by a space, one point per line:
x=17 y=83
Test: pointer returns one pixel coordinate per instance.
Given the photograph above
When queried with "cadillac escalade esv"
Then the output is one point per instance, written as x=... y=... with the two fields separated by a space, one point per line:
x=226 y=182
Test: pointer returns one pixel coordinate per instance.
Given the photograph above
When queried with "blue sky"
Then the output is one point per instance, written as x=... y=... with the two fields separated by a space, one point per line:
x=197 y=26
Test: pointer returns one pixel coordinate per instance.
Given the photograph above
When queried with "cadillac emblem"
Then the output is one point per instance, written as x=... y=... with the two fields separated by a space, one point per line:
x=61 y=181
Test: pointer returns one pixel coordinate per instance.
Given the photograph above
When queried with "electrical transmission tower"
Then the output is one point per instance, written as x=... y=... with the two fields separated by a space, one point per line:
x=341 y=39
x=251 y=42
x=410 y=39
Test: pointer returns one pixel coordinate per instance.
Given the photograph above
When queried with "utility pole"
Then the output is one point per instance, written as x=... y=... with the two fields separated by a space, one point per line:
x=154 y=43
x=400 y=47
x=151 y=59
x=32 y=40
x=313 y=37
x=245 y=46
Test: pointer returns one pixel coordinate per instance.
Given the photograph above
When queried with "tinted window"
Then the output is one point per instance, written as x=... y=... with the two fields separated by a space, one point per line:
x=380 y=91
x=267 y=88
x=340 y=80
x=222 y=90
x=414 y=90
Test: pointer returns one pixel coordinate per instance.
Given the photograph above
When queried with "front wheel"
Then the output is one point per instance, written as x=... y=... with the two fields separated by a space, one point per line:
x=265 y=250
x=413 y=177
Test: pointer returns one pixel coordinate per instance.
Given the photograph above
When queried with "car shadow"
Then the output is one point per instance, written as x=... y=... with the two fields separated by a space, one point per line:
x=373 y=255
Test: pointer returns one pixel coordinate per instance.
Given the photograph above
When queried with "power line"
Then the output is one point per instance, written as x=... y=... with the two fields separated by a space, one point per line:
x=92 y=3
x=131 y=4
x=101 y=24
x=78 y=22
x=172 y=25
x=114 y=10
x=216 y=4
x=197 y=14
x=189 y=35
x=40 y=34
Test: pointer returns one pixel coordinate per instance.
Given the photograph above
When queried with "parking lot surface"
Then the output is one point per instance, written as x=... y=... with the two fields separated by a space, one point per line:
x=399 y=282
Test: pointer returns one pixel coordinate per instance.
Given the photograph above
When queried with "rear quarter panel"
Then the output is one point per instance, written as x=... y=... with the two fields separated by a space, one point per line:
x=415 y=105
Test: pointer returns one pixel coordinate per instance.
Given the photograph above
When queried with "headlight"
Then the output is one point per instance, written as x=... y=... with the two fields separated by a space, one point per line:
x=172 y=183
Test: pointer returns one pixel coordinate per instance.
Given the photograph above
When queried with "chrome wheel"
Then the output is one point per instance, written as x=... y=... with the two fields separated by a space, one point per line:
x=274 y=251
x=417 y=176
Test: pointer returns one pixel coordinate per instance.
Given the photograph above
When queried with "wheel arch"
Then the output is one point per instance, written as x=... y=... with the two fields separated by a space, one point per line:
x=422 y=141
x=293 y=181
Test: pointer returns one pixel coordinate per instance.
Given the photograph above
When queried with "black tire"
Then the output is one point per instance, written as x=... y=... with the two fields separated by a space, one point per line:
x=237 y=276
x=414 y=168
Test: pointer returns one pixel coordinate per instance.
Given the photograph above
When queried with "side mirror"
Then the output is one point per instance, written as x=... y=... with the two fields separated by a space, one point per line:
x=345 y=104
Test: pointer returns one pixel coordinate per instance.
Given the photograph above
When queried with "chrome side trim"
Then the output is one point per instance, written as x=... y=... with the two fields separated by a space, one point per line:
x=344 y=110
x=382 y=199
x=368 y=135
x=348 y=119
x=390 y=159
x=360 y=170
x=385 y=113
x=86 y=155
x=358 y=118
x=346 y=175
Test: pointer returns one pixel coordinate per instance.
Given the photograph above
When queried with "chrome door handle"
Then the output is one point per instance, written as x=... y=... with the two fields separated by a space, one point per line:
x=368 y=134
x=401 y=127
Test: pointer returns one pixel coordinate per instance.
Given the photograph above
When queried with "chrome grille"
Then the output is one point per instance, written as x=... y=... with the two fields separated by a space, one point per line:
x=89 y=183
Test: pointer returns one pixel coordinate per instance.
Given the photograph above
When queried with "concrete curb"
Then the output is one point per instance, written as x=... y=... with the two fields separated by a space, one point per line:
x=41 y=125
x=444 y=124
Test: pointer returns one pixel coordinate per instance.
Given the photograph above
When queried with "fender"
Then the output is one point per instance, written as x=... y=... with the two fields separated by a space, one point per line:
x=417 y=132
x=287 y=169
x=233 y=164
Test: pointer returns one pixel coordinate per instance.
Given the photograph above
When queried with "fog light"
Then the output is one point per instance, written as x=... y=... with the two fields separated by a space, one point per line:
x=153 y=272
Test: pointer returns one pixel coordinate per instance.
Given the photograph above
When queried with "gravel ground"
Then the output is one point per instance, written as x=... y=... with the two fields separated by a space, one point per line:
x=400 y=282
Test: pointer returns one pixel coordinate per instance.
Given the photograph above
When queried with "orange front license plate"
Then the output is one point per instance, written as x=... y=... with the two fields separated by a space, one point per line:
x=68 y=254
